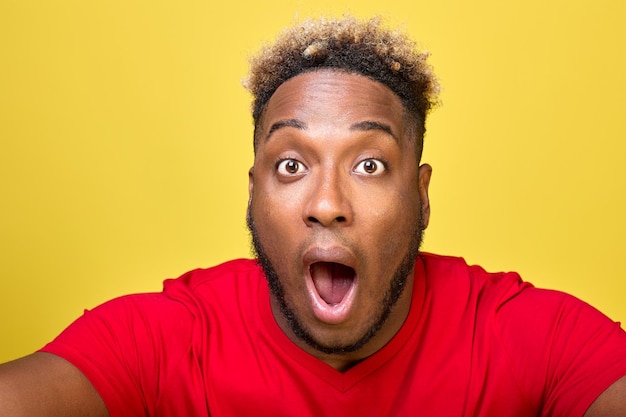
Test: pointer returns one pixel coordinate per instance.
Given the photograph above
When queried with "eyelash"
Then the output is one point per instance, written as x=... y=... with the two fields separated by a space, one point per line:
x=282 y=159
x=377 y=158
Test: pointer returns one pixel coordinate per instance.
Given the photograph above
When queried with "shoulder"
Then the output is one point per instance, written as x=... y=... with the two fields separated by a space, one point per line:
x=134 y=346
x=216 y=285
x=222 y=274
x=557 y=347
x=528 y=322
x=455 y=279
x=515 y=306
x=139 y=318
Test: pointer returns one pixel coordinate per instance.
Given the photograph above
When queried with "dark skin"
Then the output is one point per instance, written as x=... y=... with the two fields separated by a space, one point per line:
x=335 y=159
x=45 y=385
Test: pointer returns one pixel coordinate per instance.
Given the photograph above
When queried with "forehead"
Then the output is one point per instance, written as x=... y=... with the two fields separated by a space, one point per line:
x=334 y=99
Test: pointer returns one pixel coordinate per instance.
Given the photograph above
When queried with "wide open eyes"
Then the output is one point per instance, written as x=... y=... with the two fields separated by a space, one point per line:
x=289 y=167
x=370 y=167
x=292 y=167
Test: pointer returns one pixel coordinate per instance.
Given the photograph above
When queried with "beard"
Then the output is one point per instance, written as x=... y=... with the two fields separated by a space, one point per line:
x=392 y=294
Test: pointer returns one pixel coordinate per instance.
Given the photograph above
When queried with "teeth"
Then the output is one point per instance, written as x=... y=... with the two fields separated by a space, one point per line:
x=332 y=281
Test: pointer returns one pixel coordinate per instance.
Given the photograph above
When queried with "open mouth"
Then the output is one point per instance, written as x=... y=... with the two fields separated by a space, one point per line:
x=332 y=281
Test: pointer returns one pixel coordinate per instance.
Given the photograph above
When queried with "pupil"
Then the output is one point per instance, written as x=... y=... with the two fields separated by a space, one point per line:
x=370 y=166
x=292 y=166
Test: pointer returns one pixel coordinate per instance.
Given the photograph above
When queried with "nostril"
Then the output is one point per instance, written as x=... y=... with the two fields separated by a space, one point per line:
x=338 y=219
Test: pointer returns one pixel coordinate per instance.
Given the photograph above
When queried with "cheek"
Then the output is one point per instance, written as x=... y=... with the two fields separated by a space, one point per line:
x=392 y=225
x=276 y=208
x=392 y=208
x=277 y=221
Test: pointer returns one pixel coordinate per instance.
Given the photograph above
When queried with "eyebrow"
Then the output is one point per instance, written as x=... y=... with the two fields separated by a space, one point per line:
x=373 y=125
x=298 y=124
x=360 y=126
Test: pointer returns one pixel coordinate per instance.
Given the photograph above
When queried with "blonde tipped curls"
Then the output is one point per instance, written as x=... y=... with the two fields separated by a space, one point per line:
x=346 y=44
x=315 y=50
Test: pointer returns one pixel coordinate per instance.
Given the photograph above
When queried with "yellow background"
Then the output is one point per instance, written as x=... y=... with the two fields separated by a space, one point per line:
x=126 y=140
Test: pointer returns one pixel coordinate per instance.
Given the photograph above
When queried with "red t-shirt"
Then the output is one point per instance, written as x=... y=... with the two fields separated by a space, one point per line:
x=474 y=344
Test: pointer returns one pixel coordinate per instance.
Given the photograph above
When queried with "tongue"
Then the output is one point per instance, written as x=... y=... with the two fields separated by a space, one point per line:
x=332 y=280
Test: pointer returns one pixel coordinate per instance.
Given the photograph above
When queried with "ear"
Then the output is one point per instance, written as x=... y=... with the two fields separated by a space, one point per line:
x=250 y=183
x=423 y=181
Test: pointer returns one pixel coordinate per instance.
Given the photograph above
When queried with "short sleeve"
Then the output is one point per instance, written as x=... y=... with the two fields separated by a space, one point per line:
x=122 y=347
x=563 y=350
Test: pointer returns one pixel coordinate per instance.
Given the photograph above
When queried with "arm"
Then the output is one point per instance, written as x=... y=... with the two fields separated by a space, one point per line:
x=46 y=385
x=611 y=403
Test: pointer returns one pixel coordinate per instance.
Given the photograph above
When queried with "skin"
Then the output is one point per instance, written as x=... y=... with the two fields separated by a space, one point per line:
x=332 y=204
x=45 y=385
x=319 y=135
x=611 y=403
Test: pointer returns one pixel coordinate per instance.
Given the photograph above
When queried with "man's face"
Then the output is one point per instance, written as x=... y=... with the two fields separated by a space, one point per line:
x=337 y=207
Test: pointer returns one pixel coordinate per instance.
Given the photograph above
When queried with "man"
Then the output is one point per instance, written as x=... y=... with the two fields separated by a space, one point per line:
x=340 y=315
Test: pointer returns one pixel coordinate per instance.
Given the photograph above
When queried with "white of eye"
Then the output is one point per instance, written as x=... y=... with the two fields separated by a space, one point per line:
x=290 y=167
x=370 y=167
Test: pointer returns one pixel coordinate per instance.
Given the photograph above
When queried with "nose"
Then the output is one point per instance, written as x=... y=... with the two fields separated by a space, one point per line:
x=328 y=202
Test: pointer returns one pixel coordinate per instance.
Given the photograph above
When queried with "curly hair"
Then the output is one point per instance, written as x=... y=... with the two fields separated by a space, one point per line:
x=346 y=44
